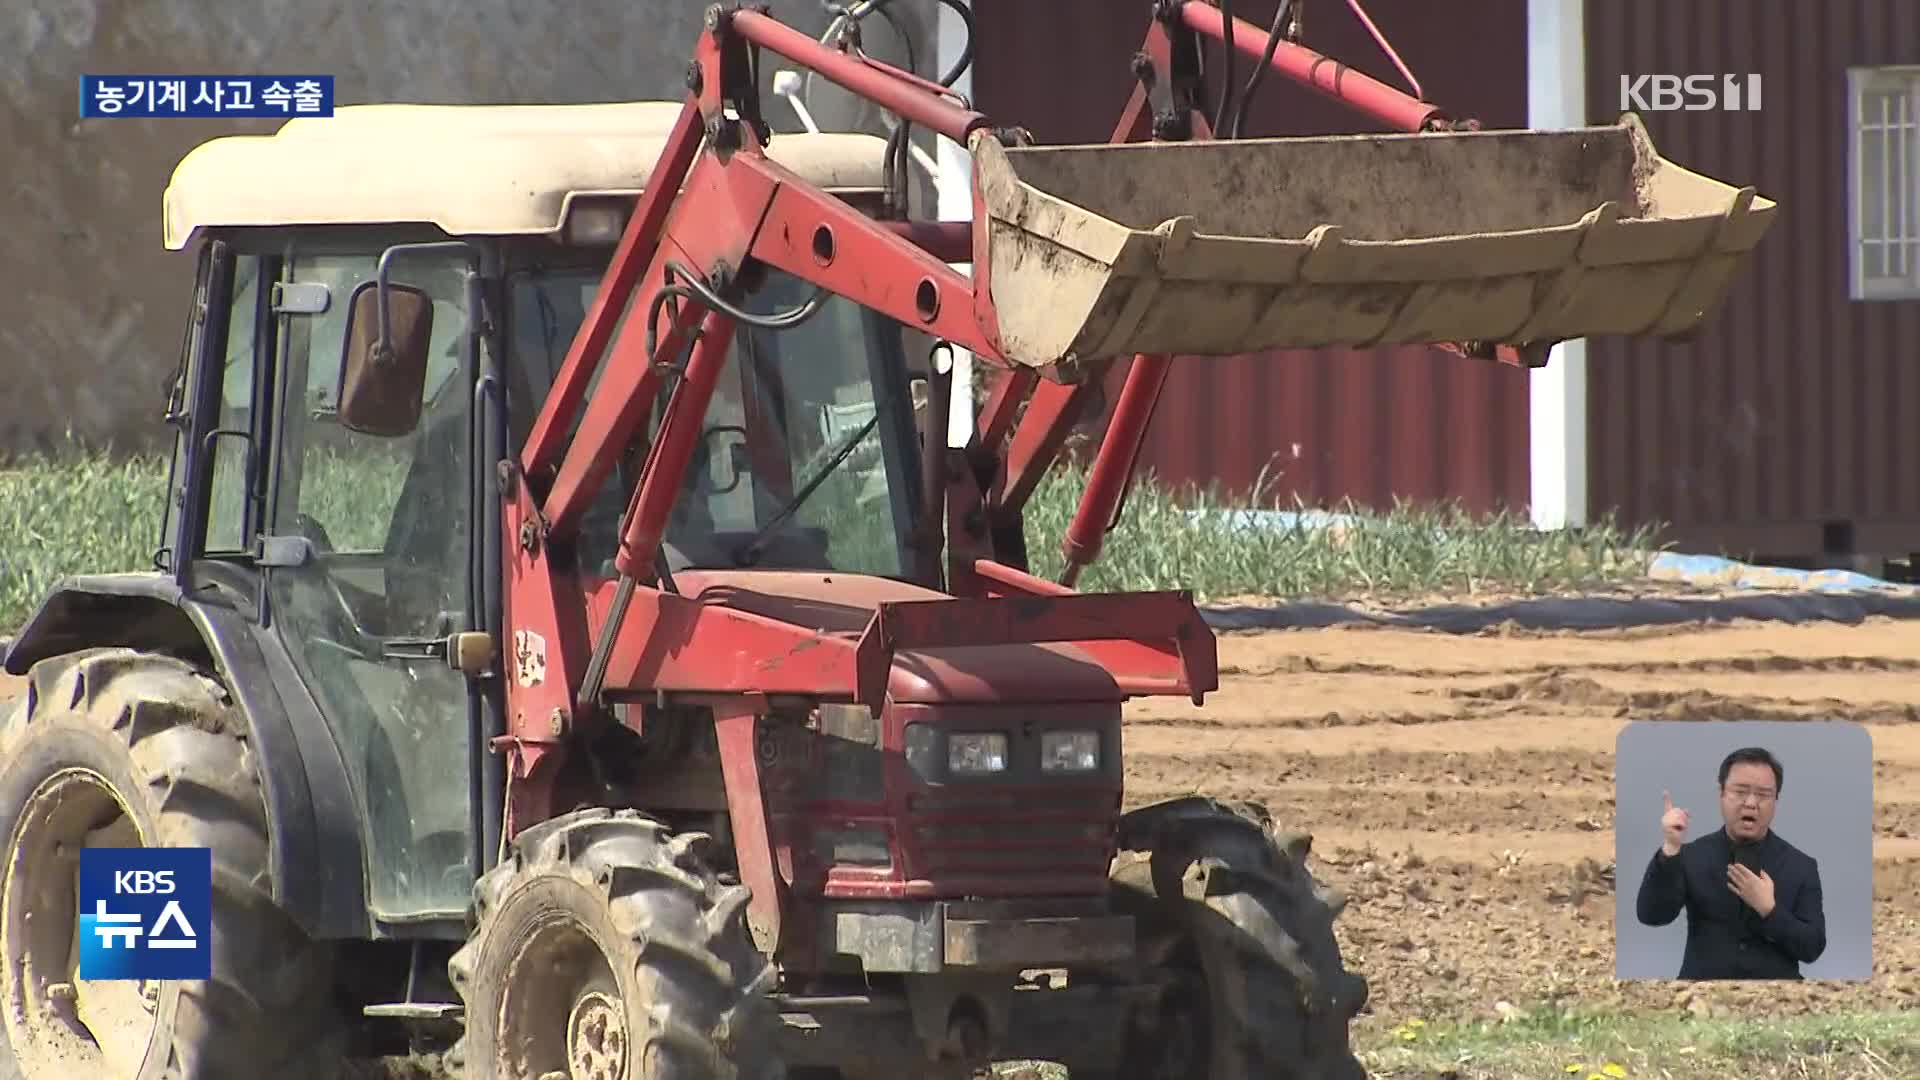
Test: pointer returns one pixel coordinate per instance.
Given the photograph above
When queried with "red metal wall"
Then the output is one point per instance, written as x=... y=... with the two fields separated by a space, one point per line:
x=1410 y=423
x=1795 y=417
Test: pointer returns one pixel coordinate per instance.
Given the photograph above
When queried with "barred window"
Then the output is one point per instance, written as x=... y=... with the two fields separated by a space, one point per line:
x=1884 y=173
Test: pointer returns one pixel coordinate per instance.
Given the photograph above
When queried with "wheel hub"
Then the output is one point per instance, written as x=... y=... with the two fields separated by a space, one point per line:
x=596 y=1038
x=56 y=1022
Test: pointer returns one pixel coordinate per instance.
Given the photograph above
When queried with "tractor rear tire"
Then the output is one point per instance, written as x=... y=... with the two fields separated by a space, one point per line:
x=118 y=748
x=605 y=946
x=1232 y=923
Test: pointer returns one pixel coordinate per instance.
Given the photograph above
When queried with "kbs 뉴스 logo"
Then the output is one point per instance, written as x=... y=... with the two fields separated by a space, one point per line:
x=145 y=913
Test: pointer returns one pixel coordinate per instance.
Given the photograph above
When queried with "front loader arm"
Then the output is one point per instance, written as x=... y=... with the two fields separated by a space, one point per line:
x=1172 y=60
x=1170 y=57
x=1079 y=255
x=715 y=209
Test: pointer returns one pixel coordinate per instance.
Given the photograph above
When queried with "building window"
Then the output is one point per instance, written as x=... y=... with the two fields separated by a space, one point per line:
x=1883 y=164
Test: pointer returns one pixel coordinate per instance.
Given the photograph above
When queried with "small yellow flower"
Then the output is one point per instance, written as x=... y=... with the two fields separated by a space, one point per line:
x=1615 y=1070
x=1416 y=1022
x=1574 y=1067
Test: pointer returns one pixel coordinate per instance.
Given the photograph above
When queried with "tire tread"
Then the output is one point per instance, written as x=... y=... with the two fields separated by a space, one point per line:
x=266 y=1011
x=1226 y=876
x=686 y=937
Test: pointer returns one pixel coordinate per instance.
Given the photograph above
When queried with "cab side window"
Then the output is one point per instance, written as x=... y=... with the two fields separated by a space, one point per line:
x=227 y=525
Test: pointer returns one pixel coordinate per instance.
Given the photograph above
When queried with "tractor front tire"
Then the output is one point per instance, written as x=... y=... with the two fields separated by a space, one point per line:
x=605 y=949
x=1239 y=936
x=118 y=748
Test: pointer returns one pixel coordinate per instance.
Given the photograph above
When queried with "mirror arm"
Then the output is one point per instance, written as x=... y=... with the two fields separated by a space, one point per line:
x=383 y=346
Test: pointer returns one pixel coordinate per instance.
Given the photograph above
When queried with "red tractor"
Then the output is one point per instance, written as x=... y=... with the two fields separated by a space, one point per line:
x=583 y=659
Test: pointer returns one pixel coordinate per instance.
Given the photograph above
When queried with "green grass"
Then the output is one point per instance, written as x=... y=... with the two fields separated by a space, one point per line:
x=1406 y=551
x=352 y=496
x=87 y=513
x=92 y=513
x=1674 y=1046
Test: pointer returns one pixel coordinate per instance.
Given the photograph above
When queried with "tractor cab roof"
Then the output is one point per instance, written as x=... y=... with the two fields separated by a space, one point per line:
x=471 y=170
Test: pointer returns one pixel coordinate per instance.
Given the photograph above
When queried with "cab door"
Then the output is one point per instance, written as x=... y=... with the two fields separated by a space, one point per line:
x=369 y=565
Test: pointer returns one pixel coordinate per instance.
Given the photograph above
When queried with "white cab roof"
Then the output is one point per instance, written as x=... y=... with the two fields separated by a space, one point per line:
x=475 y=170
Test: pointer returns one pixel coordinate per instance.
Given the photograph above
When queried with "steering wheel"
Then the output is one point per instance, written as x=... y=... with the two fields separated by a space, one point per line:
x=346 y=625
x=704 y=459
x=313 y=532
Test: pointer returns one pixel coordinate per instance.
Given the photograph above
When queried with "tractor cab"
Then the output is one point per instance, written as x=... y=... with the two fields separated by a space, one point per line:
x=805 y=460
x=384 y=298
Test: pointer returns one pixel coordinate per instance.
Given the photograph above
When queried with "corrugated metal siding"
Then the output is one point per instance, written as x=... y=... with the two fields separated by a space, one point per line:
x=1796 y=407
x=1409 y=423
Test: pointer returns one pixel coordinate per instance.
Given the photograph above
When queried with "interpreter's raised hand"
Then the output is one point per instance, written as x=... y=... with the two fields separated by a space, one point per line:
x=1673 y=827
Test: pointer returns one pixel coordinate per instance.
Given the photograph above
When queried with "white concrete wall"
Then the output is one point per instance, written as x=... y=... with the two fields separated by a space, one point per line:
x=956 y=204
x=1557 y=393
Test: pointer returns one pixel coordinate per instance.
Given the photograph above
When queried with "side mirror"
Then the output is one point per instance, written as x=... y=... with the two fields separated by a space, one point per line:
x=385 y=366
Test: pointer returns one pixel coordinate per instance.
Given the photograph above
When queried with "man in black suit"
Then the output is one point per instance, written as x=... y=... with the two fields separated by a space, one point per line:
x=1752 y=899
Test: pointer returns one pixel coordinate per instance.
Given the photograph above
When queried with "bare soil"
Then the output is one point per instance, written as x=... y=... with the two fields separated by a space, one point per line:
x=1460 y=789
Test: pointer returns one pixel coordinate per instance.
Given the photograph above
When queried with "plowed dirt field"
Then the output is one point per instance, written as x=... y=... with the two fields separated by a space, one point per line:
x=1460 y=788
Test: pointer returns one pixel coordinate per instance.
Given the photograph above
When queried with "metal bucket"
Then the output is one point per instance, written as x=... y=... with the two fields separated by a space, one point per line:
x=1513 y=237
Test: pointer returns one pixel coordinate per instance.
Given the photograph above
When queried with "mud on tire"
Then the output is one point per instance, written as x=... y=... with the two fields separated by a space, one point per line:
x=1233 y=922
x=114 y=747
x=604 y=944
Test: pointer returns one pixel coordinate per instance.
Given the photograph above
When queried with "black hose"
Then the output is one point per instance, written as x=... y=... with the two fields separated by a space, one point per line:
x=965 y=60
x=691 y=286
x=899 y=141
x=784 y=320
x=653 y=314
x=1226 y=72
x=896 y=166
x=1260 y=71
x=906 y=39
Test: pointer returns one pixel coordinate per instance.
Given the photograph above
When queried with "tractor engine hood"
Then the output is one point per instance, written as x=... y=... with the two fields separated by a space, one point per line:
x=831 y=634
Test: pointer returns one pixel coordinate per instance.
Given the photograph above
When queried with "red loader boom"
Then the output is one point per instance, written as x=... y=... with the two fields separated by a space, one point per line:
x=1496 y=244
x=769 y=774
x=1081 y=255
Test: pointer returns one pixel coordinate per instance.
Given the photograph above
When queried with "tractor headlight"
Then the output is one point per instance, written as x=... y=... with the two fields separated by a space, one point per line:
x=596 y=222
x=1069 y=751
x=974 y=753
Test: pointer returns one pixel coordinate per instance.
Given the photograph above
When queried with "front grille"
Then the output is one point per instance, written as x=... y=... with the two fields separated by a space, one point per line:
x=1011 y=842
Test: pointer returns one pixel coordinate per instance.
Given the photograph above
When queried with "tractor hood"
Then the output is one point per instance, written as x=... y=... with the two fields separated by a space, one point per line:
x=842 y=605
x=783 y=632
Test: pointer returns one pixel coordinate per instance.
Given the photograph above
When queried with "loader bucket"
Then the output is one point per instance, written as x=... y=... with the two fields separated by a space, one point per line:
x=1514 y=237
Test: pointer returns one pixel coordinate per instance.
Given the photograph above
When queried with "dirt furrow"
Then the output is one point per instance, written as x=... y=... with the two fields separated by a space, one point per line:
x=1429 y=653
x=1460 y=789
x=1764 y=664
x=1692 y=703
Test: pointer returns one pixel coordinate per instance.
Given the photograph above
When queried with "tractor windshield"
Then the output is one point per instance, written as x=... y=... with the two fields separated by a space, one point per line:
x=806 y=459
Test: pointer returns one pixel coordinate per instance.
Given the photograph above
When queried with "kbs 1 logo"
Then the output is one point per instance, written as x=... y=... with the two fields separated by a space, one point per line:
x=1692 y=93
x=145 y=913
